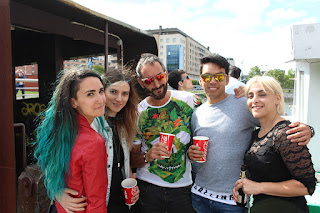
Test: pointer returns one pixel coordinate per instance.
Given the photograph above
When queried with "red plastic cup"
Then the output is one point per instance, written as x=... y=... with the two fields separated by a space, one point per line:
x=202 y=142
x=129 y=186
x=167 y=139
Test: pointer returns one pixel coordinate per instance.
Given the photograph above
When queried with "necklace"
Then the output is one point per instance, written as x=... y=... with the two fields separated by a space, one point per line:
x=117 y=152
x=116 y=146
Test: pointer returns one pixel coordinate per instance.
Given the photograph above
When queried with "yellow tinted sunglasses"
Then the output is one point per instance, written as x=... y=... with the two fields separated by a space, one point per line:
x=218 y=77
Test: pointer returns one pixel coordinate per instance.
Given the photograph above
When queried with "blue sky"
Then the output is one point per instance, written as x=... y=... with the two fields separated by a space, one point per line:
x=253 y=32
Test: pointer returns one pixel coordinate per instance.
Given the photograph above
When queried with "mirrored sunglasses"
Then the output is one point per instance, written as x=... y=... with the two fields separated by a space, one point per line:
x=159 y=77
x=218 y=77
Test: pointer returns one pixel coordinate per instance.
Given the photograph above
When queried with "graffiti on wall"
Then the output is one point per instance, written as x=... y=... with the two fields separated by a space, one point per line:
x=32 y=109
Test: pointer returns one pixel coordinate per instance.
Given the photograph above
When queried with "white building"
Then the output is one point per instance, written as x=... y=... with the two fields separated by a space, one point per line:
x=306 y=54
x=177 y=50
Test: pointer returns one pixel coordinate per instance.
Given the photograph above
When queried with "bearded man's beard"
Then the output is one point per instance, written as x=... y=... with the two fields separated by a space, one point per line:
x=161 y=95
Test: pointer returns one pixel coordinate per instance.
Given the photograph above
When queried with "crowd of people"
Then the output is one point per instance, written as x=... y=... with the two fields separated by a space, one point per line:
x=96 y=132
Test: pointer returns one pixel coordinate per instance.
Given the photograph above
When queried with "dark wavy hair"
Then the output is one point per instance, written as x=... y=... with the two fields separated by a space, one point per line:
x=174 y=78
x=57 y=130
x=126 y=122
x=215 y=59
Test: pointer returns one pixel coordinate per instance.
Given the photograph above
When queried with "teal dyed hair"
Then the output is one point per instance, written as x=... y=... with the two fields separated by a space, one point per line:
x=57 y=130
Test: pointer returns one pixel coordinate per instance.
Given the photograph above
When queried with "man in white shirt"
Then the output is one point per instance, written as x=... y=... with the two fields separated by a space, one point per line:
x=234 y=76
x=164 y=183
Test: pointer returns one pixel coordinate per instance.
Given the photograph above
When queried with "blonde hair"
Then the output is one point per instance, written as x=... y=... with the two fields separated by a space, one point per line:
x=272 y=84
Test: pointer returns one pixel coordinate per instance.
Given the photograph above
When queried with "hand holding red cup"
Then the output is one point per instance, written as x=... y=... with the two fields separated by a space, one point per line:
x=167 y=139
x=202 y=142
x=129 y=186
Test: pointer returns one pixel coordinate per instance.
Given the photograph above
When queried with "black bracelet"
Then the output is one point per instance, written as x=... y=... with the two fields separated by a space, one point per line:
x=144 y=158
x=312 y=131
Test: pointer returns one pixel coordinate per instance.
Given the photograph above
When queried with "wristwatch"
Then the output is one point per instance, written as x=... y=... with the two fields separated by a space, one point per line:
x=312 y=131
x=144 y=158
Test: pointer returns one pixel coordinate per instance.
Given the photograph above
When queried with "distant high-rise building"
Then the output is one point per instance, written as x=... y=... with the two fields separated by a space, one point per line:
x=177 y=50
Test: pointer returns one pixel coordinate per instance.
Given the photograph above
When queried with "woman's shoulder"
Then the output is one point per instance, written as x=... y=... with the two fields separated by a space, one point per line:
x=90 y=134
x=278 y=133
x=86 y=137
x=88 y=144
x=281 y=127
x=283 y=124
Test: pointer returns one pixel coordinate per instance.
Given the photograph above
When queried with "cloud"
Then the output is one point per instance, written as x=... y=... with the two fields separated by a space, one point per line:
x=243 y=30
x=142 y=14
x=191 y=3
x=246 y=14
x=244 y=7
x=240 y=6
x=309 y=20
x=282 y=13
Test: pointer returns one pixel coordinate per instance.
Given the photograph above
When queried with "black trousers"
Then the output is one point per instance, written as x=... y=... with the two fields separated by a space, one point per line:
x=157 y=199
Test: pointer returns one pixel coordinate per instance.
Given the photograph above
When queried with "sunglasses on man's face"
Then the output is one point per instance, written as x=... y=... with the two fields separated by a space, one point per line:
x=187 y=76
x=159 y=77
x=218 y=77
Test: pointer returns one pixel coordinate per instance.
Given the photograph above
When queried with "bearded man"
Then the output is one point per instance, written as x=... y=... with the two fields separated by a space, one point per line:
x=164 y=183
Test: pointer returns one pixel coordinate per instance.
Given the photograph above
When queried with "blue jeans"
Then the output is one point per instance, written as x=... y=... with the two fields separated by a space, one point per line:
x=20 y=87
x=204 y=205
x=157 y=199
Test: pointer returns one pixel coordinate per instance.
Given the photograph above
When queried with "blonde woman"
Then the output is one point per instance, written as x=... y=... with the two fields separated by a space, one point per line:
x=279 y=172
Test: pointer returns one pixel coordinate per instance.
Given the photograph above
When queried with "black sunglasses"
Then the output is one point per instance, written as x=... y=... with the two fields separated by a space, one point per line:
x=187 y=76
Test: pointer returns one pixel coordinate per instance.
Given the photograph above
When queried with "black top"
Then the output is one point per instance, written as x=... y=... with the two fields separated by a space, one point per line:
x=273 y=158
x=116 y=198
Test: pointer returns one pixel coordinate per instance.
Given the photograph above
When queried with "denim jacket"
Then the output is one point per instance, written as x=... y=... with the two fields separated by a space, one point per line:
x=101 y=126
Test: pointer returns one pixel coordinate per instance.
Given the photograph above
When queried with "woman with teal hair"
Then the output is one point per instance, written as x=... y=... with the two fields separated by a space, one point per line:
x=118 y=128
x=69 y=152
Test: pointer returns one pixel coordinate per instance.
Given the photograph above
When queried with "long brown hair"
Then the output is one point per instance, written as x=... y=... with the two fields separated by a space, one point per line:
x=126 y=118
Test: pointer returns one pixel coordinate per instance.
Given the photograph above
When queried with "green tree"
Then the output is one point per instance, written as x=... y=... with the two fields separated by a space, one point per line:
x=195 y=82
x=253 y=72
x=290 y=79
x=279 y=75
x=286 y=81
x=99 y=69
x=283 y=79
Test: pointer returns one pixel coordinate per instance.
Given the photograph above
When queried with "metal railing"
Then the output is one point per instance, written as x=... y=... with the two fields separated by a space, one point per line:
x=24 y=96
